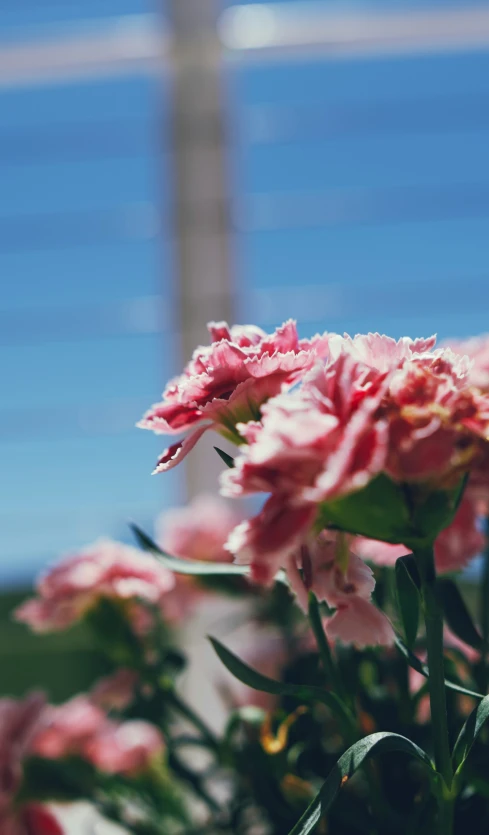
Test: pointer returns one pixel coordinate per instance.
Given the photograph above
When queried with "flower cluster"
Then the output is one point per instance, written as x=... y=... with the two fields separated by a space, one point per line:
x=318 y=424
x=80 y=727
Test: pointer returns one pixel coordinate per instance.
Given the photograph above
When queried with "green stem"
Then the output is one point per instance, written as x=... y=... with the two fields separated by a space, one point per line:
x=484 y=611
x=186 y=711
x=329 y=666
x=380 y=809
x=433 y=617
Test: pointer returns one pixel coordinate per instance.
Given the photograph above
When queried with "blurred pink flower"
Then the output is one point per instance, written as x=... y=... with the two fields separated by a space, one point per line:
x=226 y=383
x=105 y=569
x=19 y=723
x=454 y=547
x=81 y=728
x=124 y=748
x=66 y=728
x=198 y=531
x=115 y=692
x=477 y=349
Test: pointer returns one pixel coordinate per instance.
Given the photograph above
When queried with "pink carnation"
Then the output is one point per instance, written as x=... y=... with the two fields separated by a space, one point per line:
x=265 y=541
x=346 y=588
x=198 y=531
x=105 y=569
x=454 y=547
x=438 y=422
x=81 y=728
x=68 y=727
x=315 y=443
x=477 y=349
x=226 y=383
x=19 y=723
x=124 y=748
x=381 y=353
x=312 y=445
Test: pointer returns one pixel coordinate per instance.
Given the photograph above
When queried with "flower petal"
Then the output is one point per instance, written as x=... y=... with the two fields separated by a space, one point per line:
x=177 y=452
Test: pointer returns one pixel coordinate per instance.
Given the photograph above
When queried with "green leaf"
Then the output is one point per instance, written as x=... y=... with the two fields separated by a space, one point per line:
x=228 y=459
x=457 y=615
x=470 y=732
x=433 y=510
x=391 y=512
x=408 y=597
x=379 y=511
x=418 y=665
x=195 y=567
x=257 y=681
x=379 y=743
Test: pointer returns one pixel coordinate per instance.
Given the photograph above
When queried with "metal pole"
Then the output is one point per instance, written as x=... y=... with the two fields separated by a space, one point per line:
x=201 y=209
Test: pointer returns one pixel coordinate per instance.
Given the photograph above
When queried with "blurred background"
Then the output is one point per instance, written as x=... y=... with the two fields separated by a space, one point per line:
x=165 y=163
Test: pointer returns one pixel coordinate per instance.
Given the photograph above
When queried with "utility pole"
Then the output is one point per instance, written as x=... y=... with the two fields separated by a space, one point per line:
x=201 y=195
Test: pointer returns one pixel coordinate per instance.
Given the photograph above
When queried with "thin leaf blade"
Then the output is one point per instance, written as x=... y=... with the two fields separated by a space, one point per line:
x=180 y=566
x=224 y=456
x=252 y=678
x=346 y=766
x=470 y=732
x=418 y=665
x=408 y=599
x=457 y=615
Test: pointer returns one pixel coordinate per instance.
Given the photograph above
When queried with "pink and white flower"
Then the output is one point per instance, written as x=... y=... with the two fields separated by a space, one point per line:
x=124 y=747
x=199 y=530
x=338 y=576
x=105 y=569
x=81 y=728
x=318 y=442
x=226 y=383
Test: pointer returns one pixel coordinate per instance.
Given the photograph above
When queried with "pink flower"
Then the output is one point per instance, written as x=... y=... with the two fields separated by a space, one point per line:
x=124 y=748
x=265 y=541
x=19 y=723
x=105 y=569
x=315 y=443
x=226 y=383
x=198 y=531
x=438 y=424
x=477 y=349
x=454 y=547
x=346 y=583
x=81 y=728
x=68 y=727
x=115 y=692
x=381 y=353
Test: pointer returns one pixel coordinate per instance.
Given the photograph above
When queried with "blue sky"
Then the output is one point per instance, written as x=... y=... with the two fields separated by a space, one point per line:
x=87 y=335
